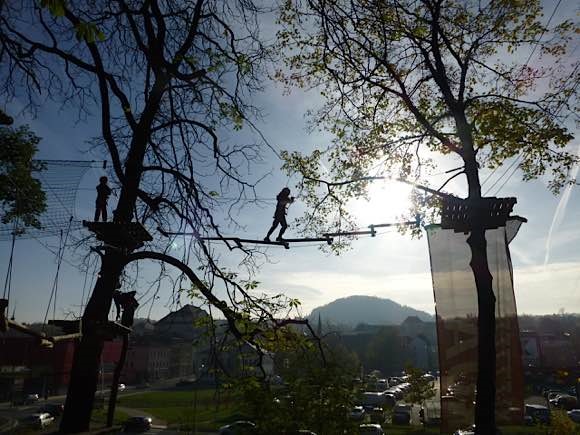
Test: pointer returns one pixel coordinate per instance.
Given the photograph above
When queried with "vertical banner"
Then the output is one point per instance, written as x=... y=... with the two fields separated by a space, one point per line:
x=456 y=312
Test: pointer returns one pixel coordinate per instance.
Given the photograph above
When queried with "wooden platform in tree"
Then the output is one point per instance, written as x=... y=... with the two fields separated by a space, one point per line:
x=110 y=330
x=130 y=235
x=67 y=326
x=461 y=214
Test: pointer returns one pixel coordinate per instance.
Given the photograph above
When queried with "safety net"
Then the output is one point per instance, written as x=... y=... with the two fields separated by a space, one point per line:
x=59 y=181
x=456 y=310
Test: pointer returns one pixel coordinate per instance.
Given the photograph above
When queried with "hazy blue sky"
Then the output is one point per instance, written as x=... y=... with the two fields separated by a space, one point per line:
x=545 y=253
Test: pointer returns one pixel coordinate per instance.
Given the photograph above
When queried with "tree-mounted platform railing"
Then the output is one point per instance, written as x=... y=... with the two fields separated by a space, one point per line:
x=327 y=238
x=461 y=215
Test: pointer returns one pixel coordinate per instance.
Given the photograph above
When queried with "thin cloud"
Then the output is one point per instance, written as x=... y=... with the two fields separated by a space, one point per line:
x=560 y=212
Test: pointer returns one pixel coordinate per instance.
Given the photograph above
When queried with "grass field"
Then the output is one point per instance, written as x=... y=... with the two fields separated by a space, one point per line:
x=206 y=409
x=99 y=418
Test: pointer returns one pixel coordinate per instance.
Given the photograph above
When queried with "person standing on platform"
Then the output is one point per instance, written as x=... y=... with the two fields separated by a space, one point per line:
x=284 y=199
x=103 y=193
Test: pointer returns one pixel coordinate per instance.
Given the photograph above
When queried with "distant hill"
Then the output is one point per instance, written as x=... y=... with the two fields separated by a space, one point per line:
x=371 y=310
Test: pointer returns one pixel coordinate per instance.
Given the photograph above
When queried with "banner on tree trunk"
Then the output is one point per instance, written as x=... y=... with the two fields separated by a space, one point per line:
x=456 y=312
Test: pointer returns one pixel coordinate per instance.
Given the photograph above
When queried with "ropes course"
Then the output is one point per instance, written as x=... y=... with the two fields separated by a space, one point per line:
x=60 y=181
x=327 y=238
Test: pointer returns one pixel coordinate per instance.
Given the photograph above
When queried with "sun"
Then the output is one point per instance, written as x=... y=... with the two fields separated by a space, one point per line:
x=388 y=200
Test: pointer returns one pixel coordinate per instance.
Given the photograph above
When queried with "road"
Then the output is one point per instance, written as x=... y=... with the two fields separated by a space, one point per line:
x=16 y=413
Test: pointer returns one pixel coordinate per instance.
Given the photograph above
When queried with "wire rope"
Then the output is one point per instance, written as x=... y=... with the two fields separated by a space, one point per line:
x=54 y=292
x=8 y=280
x=536 y=43
x=516 y=160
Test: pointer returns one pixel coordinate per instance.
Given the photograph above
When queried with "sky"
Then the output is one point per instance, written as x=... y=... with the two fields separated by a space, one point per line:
x=545 y=253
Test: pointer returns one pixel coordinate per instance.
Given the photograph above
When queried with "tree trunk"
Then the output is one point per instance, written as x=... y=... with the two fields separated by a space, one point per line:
x=115 y=384
x=485 y=396
x=84 y=374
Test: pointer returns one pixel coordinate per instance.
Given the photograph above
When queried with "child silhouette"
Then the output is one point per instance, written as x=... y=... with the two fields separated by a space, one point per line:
x=103 y=193
x=284 y=199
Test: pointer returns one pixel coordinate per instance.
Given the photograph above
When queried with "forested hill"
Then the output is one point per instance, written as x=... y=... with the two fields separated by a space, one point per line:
x=371 y=310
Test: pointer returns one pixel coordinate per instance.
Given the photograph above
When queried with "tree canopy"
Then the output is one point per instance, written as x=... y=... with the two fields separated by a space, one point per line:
x=404 y=80
x=22 y=199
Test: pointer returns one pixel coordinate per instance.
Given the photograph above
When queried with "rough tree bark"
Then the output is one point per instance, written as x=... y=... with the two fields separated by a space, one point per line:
x=84 y=374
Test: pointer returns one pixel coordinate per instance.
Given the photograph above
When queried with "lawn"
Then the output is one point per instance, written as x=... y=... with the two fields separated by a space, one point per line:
x=206 y=409
x=99 y=418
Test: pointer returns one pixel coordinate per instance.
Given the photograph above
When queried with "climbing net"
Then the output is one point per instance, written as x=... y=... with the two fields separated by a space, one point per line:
x=60 y=182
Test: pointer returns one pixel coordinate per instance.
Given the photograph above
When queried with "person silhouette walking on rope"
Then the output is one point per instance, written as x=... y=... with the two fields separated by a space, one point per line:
x=103 y=193
x=284 y=199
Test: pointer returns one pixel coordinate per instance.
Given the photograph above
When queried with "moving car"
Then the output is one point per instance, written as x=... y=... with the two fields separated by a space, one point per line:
x=38 y=421
x=54 y=409
x=121 y=387
x=137 y=424
x=238 y=428
x=370 y=429
x=27 y=399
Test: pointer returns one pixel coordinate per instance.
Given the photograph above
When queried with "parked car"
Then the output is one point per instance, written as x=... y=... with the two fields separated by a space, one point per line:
x=54 y=409
x=382 y=384
x=377 y=415
x=396 y=392
x=552 y=394
x=429 y=377
x=137 y=424
x=565 y=401
x=574 y=415
x=402 y=414
x=238 y=428
x=370 y=429
x=389 y=400
x=430 y=414
x=357 y=413
x=535 y=414
x=186 y=383
x=38 y=421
